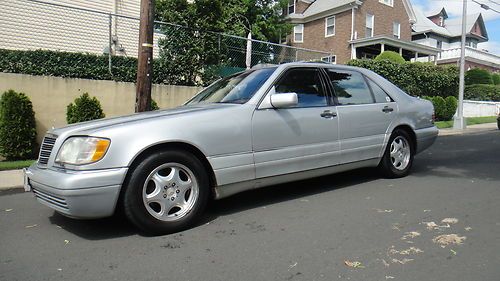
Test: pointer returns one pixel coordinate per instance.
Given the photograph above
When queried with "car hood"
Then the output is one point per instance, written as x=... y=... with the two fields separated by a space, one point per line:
x=137 y=117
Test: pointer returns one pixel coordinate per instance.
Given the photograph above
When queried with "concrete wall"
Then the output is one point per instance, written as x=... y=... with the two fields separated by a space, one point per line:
x=481 y=108
x=51 y=95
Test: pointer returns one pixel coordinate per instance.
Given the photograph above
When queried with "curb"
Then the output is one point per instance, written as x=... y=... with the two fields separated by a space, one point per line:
x=479 y=128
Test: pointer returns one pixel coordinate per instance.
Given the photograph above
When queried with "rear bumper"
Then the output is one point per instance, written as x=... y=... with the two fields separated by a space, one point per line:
x=77 y=194
x=426 y=137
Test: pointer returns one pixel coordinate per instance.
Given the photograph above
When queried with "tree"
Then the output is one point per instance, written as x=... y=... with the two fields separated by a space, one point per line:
x=194 y=52
x=390 y=55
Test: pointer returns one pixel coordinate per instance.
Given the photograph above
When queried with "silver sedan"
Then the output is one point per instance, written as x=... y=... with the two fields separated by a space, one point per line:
x=257 y=128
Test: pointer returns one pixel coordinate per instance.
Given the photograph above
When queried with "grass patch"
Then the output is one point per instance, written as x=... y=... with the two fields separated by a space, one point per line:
x=469 y=120
x=14 y=165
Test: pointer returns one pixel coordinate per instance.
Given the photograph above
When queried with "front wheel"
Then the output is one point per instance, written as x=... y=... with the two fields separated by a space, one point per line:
x=398 y=156
x=167 y=192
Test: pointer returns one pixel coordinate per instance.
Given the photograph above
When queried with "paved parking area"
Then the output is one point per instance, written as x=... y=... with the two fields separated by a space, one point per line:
x=350 y=226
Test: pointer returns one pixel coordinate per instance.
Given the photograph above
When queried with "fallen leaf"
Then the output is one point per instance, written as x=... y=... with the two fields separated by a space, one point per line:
x=385 y=263
x=31 y=226
x=389 y=277
x=455 y=253
x=430 y=225
x=8 y=210
x=403 y=261
x=292 y=266
x=468 y=228
x=425 y=211
x=395 y=226
x=409 y=235
x=447 y=239
x=450 y=220
x=353 y=264
x=411 y=250
x=383 y=211
x=66 y=241
x=59 y=269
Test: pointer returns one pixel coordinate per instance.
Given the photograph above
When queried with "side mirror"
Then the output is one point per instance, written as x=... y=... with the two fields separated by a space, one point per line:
x=284 y=100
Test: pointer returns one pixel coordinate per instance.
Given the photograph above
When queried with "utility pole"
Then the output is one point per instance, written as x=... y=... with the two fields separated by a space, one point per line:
x=145 y=57
x=459 y=122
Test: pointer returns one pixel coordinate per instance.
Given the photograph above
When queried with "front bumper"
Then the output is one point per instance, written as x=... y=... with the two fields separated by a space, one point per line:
x=77 y=194
x=426 y=137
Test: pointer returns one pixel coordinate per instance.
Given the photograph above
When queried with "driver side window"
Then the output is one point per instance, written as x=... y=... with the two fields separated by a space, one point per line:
x=306 y=83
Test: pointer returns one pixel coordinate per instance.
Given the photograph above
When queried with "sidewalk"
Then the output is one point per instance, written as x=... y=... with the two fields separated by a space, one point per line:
x=14 y=178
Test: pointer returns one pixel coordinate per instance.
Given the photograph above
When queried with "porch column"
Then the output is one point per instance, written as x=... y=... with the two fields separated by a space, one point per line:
x=353 y=52
x=428 y=58
x=382 y=48
x=416 y=56
x=401 y=51
x=435 y=60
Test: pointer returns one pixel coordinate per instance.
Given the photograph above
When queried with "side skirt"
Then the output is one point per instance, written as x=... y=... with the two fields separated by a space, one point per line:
x=227 y=190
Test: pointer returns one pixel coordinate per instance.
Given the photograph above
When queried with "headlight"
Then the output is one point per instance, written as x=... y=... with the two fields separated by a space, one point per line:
x=82 y=150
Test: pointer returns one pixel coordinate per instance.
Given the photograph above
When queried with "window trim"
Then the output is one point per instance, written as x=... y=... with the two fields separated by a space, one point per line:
x=390 y=4
x=295 y=32
x=334 y=59
x=398 y=35
x=326 y=26
x=372 y=23
x=334 y=94
x=368 y=80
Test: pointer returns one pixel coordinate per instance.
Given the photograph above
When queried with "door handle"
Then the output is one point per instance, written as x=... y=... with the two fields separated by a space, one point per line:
x=328 y=114
x=387 y=109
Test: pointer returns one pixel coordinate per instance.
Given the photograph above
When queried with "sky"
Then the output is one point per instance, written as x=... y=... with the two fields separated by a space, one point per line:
x=454 y=9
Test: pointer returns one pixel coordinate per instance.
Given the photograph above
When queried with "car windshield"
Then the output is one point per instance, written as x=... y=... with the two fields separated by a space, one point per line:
x=238 y=88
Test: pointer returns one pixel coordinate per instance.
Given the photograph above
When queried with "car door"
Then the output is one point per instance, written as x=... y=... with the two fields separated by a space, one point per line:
x=304 y=137
x=365 y=113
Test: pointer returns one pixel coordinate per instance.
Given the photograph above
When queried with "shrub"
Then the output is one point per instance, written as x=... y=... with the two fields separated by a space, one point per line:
x=84 y=109
x=391 y=56
x=496 y=78
x=482 y=92
x=444 y=109
x=417 y=79
x=17 y=126
x=154 y=105
x=477 y=76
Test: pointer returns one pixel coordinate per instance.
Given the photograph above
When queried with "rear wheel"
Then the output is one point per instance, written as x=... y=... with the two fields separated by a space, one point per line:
x=398 y=156
x=167 y=192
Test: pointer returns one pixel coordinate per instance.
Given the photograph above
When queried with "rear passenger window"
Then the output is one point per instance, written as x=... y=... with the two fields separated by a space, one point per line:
x=350 y=87
x=306 y=83
x=380 y=95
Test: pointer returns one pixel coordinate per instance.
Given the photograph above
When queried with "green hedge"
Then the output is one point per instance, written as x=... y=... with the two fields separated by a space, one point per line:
x=482 y=92
x=496 y=78
x=17 y=127
x=478 y=76
x=417 y=79
x=79 y=65
x=390 y=55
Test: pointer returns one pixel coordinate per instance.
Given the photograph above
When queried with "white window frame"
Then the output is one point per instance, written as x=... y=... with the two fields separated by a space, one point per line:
x=296 y=32
x=398 y=31
x=292 y=5
x=372 y=24
x=330 y=59
x=327 y=26
x=389 y=3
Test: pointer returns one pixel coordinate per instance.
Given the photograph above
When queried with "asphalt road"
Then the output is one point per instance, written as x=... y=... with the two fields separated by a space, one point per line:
x=301 y=231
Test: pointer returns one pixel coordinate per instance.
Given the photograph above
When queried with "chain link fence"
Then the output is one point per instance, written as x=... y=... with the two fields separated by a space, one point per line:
x=190 y=56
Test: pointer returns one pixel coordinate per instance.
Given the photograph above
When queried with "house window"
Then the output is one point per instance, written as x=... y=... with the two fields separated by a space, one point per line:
x=387 y=2
x=396 y=29
x=439 y=44
x=298 y=33
x=330 y=26
x=330 y=59
x=369 y=25
x=291 y=6
x=441 y=21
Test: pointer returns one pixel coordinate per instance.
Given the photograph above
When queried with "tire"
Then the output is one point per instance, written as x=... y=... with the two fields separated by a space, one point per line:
x=398 y=155
x=166 y=193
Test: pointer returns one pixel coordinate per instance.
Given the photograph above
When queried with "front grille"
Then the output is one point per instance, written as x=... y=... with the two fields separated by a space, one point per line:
x=52 y=200
x=46 y=149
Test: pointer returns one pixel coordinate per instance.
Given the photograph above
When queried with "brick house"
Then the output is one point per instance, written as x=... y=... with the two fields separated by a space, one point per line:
x=355 y=28
x=436 y=30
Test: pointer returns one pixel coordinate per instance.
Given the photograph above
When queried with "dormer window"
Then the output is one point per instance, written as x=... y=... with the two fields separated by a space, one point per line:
x=291 y=7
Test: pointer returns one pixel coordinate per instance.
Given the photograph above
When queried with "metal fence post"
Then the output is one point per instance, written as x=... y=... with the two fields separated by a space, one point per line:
x=110 y=50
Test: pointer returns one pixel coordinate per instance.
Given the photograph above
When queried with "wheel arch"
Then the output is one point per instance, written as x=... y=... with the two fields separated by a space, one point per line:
x=407 y=128
x=174 y=146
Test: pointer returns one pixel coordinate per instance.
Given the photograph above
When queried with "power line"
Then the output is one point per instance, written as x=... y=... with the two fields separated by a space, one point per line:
x=486 y=7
